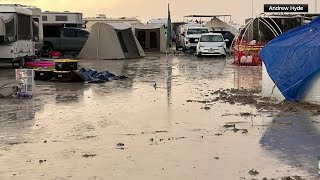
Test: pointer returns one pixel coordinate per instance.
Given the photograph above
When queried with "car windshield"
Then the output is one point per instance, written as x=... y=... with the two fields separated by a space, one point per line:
x=211 y=38
x=197 y=31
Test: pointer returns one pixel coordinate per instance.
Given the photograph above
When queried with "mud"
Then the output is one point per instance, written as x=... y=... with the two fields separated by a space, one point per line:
x=204 y=120
x=251 y=97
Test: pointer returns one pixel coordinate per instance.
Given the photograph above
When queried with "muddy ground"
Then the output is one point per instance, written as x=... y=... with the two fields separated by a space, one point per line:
x=186 y=118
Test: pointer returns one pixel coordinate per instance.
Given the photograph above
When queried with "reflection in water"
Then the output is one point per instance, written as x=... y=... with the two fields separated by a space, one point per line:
x=298 y=143
x=66 y=93
x=169 y=78
x=247 y=77
x=16 y=118
x=203 y=68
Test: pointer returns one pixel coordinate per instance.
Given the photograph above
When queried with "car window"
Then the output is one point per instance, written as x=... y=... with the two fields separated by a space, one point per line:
x=83 y=34
x=211 y=38
x=197 y=31
x=69 y=33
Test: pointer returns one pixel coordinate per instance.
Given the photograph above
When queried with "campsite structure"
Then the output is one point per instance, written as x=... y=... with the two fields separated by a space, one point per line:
x=16 y=33
x=257 y=33
x=88 y=22
x=152 y=38
x=62 y=19
x=292 y=65
x=119 y=36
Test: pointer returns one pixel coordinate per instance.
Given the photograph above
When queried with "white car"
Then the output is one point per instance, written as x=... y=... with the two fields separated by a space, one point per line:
x=212 y=44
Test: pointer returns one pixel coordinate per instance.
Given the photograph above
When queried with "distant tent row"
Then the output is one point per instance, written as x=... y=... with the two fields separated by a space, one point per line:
x=122 y=41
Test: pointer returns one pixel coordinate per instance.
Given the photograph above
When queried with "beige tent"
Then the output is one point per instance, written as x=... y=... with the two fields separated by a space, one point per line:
x=216 y=24
x=151 y=37
x=111 y=41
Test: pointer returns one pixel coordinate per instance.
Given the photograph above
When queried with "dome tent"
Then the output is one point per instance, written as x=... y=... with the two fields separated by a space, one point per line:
x=111 y=41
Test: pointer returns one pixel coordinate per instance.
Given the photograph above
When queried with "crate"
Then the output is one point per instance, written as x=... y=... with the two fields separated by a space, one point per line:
x=43 y=75
x=66 y=65
x=58 y=75
x=26 y=78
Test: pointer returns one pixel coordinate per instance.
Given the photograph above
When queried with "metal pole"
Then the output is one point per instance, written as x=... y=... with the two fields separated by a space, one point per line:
x=252 y=7
x=98 y=45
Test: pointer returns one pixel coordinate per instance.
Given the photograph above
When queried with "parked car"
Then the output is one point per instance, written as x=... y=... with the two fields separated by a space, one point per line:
x=64 y=39
x=226 y=35
x=212 y=44
x=181 y=31
x=192 y=36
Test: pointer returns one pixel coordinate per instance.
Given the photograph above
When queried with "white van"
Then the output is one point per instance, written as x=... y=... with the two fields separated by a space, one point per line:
x=182 y=35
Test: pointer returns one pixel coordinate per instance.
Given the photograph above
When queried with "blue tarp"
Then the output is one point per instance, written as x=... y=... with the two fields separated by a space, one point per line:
x=94 y=76
x=292 y=58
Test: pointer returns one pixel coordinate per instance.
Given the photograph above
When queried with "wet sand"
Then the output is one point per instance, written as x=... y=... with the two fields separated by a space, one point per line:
x=128 y=129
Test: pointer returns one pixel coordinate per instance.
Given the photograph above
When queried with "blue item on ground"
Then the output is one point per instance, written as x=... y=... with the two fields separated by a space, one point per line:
x=94 y=76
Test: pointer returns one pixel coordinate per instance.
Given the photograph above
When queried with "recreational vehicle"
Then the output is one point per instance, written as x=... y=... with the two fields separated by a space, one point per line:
x=90 y=21
x=16 y=33
x=62 y=19
x=37 y=27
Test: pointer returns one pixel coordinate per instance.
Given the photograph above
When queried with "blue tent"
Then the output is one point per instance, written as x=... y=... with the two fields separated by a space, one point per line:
x=292 y=58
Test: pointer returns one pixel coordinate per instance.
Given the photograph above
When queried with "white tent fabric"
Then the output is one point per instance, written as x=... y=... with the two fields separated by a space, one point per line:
x=111 y=41
x=216 y=23
x=159 y=41
x=2 y=27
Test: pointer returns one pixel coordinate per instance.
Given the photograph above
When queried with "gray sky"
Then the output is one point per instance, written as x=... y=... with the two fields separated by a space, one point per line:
x=148 y=9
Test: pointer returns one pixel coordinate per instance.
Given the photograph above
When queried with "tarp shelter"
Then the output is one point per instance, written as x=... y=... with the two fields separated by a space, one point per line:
x=151 y=37
x=292 y=60
x=111 y=41
x=216 y=23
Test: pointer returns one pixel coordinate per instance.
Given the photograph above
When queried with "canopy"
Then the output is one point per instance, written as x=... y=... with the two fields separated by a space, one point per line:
x=216 y=23
x=293 y=58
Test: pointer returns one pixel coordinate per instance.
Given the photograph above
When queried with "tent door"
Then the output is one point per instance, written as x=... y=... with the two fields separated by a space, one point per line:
x=142 y=38
x=153 y=40
x=128 y=43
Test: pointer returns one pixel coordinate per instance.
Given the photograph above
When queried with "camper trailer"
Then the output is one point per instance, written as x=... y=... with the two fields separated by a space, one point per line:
x=16 y=34
x=37 y=27
x=62 y=19
x=88 y=22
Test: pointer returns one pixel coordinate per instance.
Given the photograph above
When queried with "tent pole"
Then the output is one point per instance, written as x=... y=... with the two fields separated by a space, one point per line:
x=98 y=44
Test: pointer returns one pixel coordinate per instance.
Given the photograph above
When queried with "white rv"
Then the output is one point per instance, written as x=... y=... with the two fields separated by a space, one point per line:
x=37 y=27
x=16 y=33
x=62 y=19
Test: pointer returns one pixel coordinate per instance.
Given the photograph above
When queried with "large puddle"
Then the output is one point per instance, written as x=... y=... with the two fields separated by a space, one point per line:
x=144 y=127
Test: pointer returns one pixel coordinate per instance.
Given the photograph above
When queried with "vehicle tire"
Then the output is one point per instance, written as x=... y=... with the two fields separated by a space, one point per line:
x=183 y=49
x=177 y=48
x=198 y=54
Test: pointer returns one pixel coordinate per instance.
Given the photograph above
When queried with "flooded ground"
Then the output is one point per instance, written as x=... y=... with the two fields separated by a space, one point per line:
x=160 y=123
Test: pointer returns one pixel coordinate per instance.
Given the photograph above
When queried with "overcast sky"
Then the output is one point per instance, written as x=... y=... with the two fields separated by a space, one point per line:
x=148 y=9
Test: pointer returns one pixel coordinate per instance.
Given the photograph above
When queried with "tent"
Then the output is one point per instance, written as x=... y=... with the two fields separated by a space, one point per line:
x=151 y=37
x=216 y=24
x=292 y=61
x=111 y=41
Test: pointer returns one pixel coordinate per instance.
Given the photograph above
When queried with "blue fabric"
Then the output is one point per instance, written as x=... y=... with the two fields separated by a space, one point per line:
x=92 y=75
x=292 y=58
